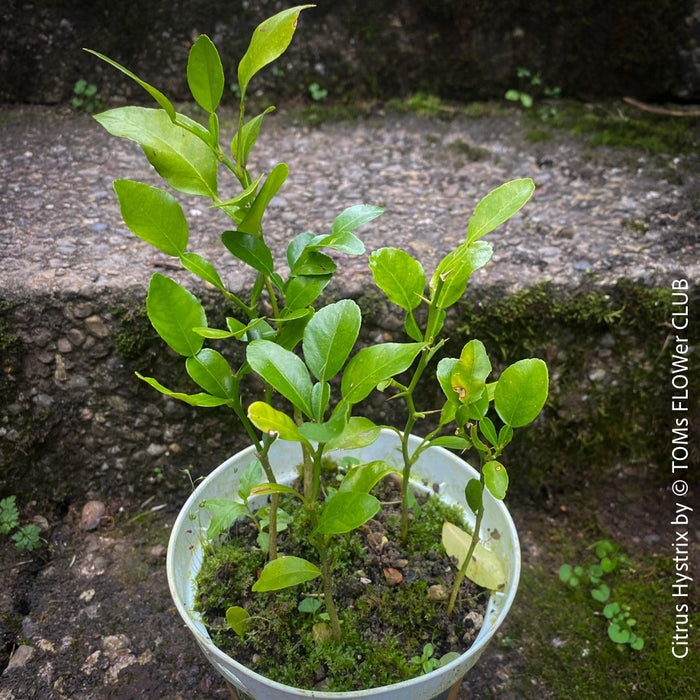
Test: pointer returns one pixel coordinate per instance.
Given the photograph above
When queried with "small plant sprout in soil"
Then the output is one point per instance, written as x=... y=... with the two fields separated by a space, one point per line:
x=301 y=540
x=609 y=562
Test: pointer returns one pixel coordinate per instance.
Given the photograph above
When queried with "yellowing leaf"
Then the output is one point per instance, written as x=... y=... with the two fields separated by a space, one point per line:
x=485 y=568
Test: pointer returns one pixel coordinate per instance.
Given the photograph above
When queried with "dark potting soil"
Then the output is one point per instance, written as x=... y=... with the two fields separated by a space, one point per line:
x=391 y=599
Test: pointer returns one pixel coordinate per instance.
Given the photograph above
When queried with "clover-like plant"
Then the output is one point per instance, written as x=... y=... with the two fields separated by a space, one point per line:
x=610 y=560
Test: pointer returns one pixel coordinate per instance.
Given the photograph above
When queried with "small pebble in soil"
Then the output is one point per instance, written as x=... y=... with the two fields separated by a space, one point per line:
x=92 y=514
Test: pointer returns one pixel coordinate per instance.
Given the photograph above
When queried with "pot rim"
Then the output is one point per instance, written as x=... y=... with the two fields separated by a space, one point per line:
x=489 y=628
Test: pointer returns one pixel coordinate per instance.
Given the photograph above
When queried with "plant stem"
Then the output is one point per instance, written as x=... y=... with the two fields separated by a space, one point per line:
x=328 y=589
x=468 y=558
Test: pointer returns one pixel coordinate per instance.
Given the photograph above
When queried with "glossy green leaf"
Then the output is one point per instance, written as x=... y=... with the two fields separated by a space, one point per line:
x=452 y=442
x=521 y=392
x=284 y=371
x=210 y=370
x=201 y=267
x=354 y=217
x=243 y=199
x=474 y=493
x=485 y=568
x=444 y=376
x=249 y=135
x=359 y=432
x=505 y=435
x=284 y=572
x=156 y=94
x=496 y=479
x=455 y=269
x=488 y=430
x=373 y=364
x=224 y=512
x=468 y=379
x=252 y=222
x=399 y=276
x=320 y=397
x=346 y=511
x=252 y=476
x=205 y=74
x=154 y=215
x=238 y=618
x=267 y=489
x=330 y=336
x=498 y=206
x=180 y=157
x=206 y=400
x=269 y=41
x=304 y=290
x=296 y=248
x=331 y=429
x=291 y=331
x=269 y=420
x=174 y=312
x=364 y=477
x=252 y=250
x=314 y=263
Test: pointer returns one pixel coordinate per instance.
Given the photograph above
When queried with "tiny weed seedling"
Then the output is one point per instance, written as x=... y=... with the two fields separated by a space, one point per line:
x=317 y=92
x=26 y=537
x=427 y=661
x=530 y=90
x=610 y=560
x=86 y=98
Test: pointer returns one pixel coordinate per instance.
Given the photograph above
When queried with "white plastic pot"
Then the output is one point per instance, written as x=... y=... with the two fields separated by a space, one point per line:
x=435 y=466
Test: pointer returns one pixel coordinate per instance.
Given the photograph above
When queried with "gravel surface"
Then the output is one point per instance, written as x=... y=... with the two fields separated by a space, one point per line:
x=610 y=212
x=92 y=612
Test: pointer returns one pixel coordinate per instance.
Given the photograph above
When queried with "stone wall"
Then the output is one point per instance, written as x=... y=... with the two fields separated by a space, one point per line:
x=377 y=48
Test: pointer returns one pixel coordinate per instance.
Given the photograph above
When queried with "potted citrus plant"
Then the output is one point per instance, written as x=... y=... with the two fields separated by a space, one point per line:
x=297 y=516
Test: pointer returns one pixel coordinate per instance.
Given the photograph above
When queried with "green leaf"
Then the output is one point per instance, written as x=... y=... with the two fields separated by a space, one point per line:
x=399 y=276
x=498 y=206
x=333 y=428
x=9 y=515
x=271 y=421
x=364 y=477
x=180 y=157
x=359 y=432
x=309 y=605
x=284 y=371
x=174 y=312
x=444 y=371
x=611 y=609
x=474 y=492
x=205 y=74
x=320 y=397
x=210 y=370
x=354 y=217
x=157 y=95
x=238 y=618
x=269 y=41
x=252 y=250
x=206 y=400
x=374 y=364
x=241 y=200
x=304 y=290
x=488 y=430
x=521 y=392
x=330 y=336
x=455 y=269
x=601 y=594
x=252 y=222
x=637 y=643
x=314 y=263
x=468 y=379
x=496 y=479
x=284 y=572
x=201 y=267
x=154 y=215
x=485 y=568
x=452 y=442
x=224 y=512
x=267 y=489
x=346 y=511
x=250 y=133
x=251 y=477
x=617 y=634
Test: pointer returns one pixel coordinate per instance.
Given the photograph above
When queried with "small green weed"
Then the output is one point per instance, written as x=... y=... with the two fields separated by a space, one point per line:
x=530 y=88
x=317 y=92
x=26 y=537
x=610 y=560
x=86 y=98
